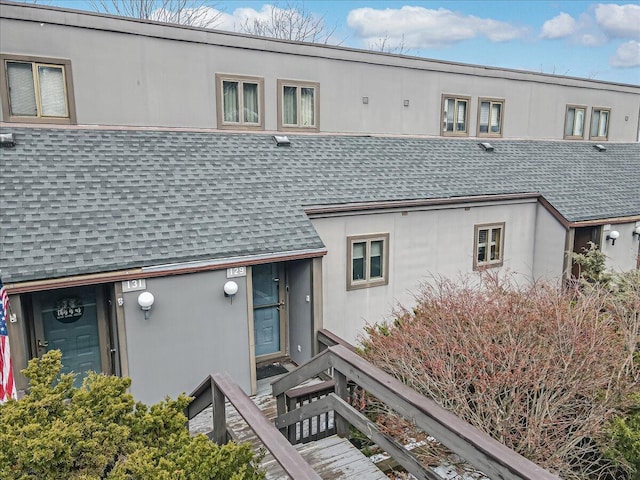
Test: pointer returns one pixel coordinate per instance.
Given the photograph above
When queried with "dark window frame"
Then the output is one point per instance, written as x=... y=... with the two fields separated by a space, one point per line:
x=491 y=101
x=368 y=281
x=241 y=124
x=298 y=84
x=443 y=119
x=65 y=64
x=593 y=112
x=488 y=263
x=573 y=135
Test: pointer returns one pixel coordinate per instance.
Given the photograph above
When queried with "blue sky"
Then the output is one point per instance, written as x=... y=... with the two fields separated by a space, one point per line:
x=599 y=40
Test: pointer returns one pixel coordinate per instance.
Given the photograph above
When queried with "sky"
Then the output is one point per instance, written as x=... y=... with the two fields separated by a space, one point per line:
x=597 y=40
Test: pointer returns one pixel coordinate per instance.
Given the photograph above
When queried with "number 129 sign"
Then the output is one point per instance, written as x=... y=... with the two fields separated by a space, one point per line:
x=236 y=272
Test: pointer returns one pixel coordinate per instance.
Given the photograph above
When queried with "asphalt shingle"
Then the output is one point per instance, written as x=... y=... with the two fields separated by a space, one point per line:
x=85 y=201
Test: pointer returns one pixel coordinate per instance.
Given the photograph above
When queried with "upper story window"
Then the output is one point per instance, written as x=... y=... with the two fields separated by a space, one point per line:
x=240 y=102
x=488 y=246
x=455 y=115
x=298 y=105
x=368 y=261
x=36 y=90
x=574 y=122
x=599 y=123
x=490 y=114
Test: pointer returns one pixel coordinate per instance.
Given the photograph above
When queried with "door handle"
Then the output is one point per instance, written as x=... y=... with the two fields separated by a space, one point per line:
x=43 y=344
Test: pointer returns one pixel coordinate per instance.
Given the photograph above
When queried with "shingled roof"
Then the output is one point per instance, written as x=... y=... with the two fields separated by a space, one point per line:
x=78 y=201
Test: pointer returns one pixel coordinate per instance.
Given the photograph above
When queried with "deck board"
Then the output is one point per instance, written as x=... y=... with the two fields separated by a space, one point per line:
x=333 y=458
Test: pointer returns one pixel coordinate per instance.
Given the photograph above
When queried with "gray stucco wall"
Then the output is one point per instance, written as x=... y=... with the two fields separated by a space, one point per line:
x=623 y=255
x=423 y=243
x=193 y=330
x=152 y=79
x=300 y=319
x=549 y=246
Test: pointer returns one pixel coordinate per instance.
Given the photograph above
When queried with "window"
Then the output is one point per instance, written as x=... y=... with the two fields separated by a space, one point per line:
x=240 y=102
x=368 y=262
x=36 y=90
x=455 y=115
x=489 y=246
x=298 y=105
x=490 y=113
x=599 y=123
x=574 y=122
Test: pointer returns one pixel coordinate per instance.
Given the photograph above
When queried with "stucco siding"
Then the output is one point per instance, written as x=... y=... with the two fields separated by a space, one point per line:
x=623 y=255
x=549 y=246
x=193 y=330
x=165 y=77
x=422 y=244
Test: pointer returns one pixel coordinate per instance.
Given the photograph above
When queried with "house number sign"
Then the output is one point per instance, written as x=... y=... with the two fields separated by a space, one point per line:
x=133 y=285
x=236 y=272
x=68 y=310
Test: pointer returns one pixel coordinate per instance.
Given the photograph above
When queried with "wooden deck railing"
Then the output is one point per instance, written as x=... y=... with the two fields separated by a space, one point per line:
x=477 y=448
x=218 y=387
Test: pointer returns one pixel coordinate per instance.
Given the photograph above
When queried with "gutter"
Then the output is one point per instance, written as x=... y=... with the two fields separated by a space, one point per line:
x=162 y=270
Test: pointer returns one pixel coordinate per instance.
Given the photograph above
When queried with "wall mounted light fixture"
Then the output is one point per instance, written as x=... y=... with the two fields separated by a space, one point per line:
x=230 y=289
x=612 y=235
x=145 y=300
x=636 y=231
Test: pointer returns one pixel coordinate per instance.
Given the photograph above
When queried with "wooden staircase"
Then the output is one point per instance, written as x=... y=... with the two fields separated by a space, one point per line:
x=331 y=457
x=305 y=428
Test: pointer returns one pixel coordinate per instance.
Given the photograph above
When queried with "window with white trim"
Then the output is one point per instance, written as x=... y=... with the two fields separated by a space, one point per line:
x=574 y=122
x=298 y=105
x=240 y=101
x=368 y=261
x=599 y=123
x=36 y=90
x=455 y=115
x=490 y=114
x=488 y=246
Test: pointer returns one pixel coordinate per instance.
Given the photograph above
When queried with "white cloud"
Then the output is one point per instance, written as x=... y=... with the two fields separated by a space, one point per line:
x=627 y=55
x=419 y=27
x=619 y=21
x=560 y=26
x=243 y=15
x=213 y=18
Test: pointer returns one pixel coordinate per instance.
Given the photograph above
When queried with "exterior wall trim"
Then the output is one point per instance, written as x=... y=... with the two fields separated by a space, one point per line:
x=316 y=211
x=154 y=29
x=159 y=271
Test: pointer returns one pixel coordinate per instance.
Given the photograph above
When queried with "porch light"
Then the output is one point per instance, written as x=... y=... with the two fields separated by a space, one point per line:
x=612 y=235
x=636 y=231
x=230 y=289
x=145 y=300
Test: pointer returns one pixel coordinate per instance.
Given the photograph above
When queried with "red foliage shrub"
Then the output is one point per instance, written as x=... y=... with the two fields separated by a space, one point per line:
x=540 y=371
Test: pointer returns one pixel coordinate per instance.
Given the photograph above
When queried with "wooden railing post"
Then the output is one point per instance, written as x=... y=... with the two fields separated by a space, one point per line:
x=292 y=429
x=281 y=408
x=342 y=391
x=219 y=416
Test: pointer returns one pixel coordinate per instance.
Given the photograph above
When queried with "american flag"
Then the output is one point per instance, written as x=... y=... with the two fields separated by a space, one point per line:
x=7 y=387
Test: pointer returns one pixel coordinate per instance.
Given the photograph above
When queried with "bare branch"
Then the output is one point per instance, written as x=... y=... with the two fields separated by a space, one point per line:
x=198 y=13
x=292 y=21
x=383 y=44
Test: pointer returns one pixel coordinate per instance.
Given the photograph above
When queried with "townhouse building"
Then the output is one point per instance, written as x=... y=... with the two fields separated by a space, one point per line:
x=178 y=201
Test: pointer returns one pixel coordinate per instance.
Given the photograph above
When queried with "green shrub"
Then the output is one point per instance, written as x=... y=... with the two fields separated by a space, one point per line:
x=99 y=432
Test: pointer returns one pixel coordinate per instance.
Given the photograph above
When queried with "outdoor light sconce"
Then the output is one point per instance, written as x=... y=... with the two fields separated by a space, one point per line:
x=636 y=231
x=230 y=289
x=145 y=300
x=612 y=235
